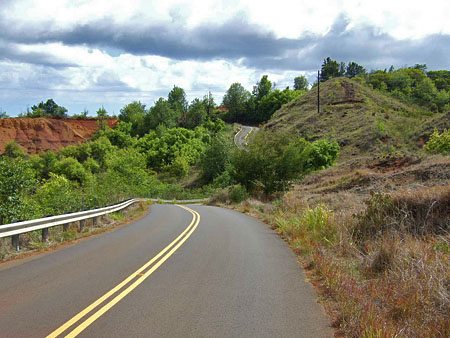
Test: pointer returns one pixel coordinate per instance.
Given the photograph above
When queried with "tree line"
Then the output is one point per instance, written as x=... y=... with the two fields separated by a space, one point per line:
x=415 y=85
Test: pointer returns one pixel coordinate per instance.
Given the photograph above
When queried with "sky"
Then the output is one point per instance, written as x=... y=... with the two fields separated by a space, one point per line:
x=87 y=54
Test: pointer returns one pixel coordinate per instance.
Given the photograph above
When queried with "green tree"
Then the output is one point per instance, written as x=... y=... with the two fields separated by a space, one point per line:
x=301 y=83
x=353 y=69
x=440 y=78
x=120 y=136
x=3 y=114
x=262 y=88
x=134 y=113
x=161 y=114
x=162 y=148
x=217 y=158
x=102 y=115
x=208 y=101
x=48 y=109
x=270 y=103
x=196 y=114
x=235 y=99
x=177 y=100
x=330 y=68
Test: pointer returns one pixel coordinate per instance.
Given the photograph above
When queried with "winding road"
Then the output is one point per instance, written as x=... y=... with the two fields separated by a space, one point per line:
x=240 y=139
x=181 y=271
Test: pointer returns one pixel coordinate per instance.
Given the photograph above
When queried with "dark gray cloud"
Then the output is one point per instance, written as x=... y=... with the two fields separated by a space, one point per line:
x=12 y=52
x=365 y=45
x=234 y=40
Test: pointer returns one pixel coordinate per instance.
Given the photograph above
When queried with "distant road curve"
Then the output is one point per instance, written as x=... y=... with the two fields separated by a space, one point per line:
x=240 y=139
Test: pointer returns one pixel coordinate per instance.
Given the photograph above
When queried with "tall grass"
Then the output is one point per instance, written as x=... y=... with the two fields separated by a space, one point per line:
x=383 y=272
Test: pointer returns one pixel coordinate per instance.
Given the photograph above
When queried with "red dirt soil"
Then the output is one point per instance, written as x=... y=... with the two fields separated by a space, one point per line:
x=41 y=134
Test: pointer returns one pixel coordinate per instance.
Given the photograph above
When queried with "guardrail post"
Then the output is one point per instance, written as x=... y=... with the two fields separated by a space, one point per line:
x=94 y=221
x=45 y=235
x=66 y=227
x=81 y=225
x=15 y=242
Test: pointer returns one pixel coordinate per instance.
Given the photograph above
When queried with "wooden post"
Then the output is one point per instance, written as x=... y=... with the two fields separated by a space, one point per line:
x=318 y=92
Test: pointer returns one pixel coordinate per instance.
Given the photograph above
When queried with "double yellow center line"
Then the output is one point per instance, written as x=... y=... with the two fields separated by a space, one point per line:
x=132 y=281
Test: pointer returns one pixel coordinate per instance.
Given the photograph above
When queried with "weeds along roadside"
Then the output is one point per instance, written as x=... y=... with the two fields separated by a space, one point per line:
x=31 y=242
x=381 y=272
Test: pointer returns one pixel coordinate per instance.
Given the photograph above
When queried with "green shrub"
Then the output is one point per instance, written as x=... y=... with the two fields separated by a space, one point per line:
x=318 y=222
x=163 y=147
x=91 y=165
x=14 y=150
x=274 y=160
x=56 y=196
x=71 y=169
x=216 y=158
x=238 y=193
x=321 y=154
x=17 y=180
x=439 y=143
x=179 y=167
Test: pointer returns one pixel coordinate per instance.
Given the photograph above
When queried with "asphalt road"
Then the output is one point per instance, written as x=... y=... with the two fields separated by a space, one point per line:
x=240 y=139
x=219 y=274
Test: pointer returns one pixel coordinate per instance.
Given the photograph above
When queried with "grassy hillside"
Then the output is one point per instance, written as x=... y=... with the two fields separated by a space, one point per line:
x=364 y=121
x=373 y=230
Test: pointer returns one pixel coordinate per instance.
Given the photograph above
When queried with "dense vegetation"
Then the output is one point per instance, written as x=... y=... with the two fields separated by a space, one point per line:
x=265 y=99
x=416 y=85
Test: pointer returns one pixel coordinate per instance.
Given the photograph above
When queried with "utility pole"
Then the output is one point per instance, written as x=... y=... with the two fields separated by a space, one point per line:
x=318 y=92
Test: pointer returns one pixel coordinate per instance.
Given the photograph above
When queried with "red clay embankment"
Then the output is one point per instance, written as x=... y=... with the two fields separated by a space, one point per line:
x=41 y=134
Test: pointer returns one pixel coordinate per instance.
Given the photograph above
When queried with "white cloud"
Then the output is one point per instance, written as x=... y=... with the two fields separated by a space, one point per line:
x=285 y=18
x=76 y=74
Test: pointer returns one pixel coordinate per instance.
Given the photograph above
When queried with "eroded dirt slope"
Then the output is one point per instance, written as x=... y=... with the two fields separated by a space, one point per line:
x=40 y=134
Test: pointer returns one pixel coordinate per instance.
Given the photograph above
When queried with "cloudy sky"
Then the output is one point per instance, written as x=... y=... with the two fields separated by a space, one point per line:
x=85 y=54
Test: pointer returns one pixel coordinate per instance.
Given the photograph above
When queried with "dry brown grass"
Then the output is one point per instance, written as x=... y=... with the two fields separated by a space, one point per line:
x=382 y=267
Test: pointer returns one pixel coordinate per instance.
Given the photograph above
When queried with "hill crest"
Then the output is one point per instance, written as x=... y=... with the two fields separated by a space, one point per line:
x=364 y=121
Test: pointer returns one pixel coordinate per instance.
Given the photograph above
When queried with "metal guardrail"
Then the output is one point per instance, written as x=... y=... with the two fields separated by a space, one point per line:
x=15 y=229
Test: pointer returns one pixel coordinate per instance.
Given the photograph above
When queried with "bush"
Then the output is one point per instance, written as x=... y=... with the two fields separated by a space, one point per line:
x=321 y=154
x=163 y=147
x=317 y=220
x=238 y=193
x=179 y=167
x=14 y=150
x=216 y=159
x=274 y=160
x=17 y=180
x=56 y=196
x=71 y=169
x=439 y=143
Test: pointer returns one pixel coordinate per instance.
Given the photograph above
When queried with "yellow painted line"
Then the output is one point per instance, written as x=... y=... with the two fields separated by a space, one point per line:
x=180 y=239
